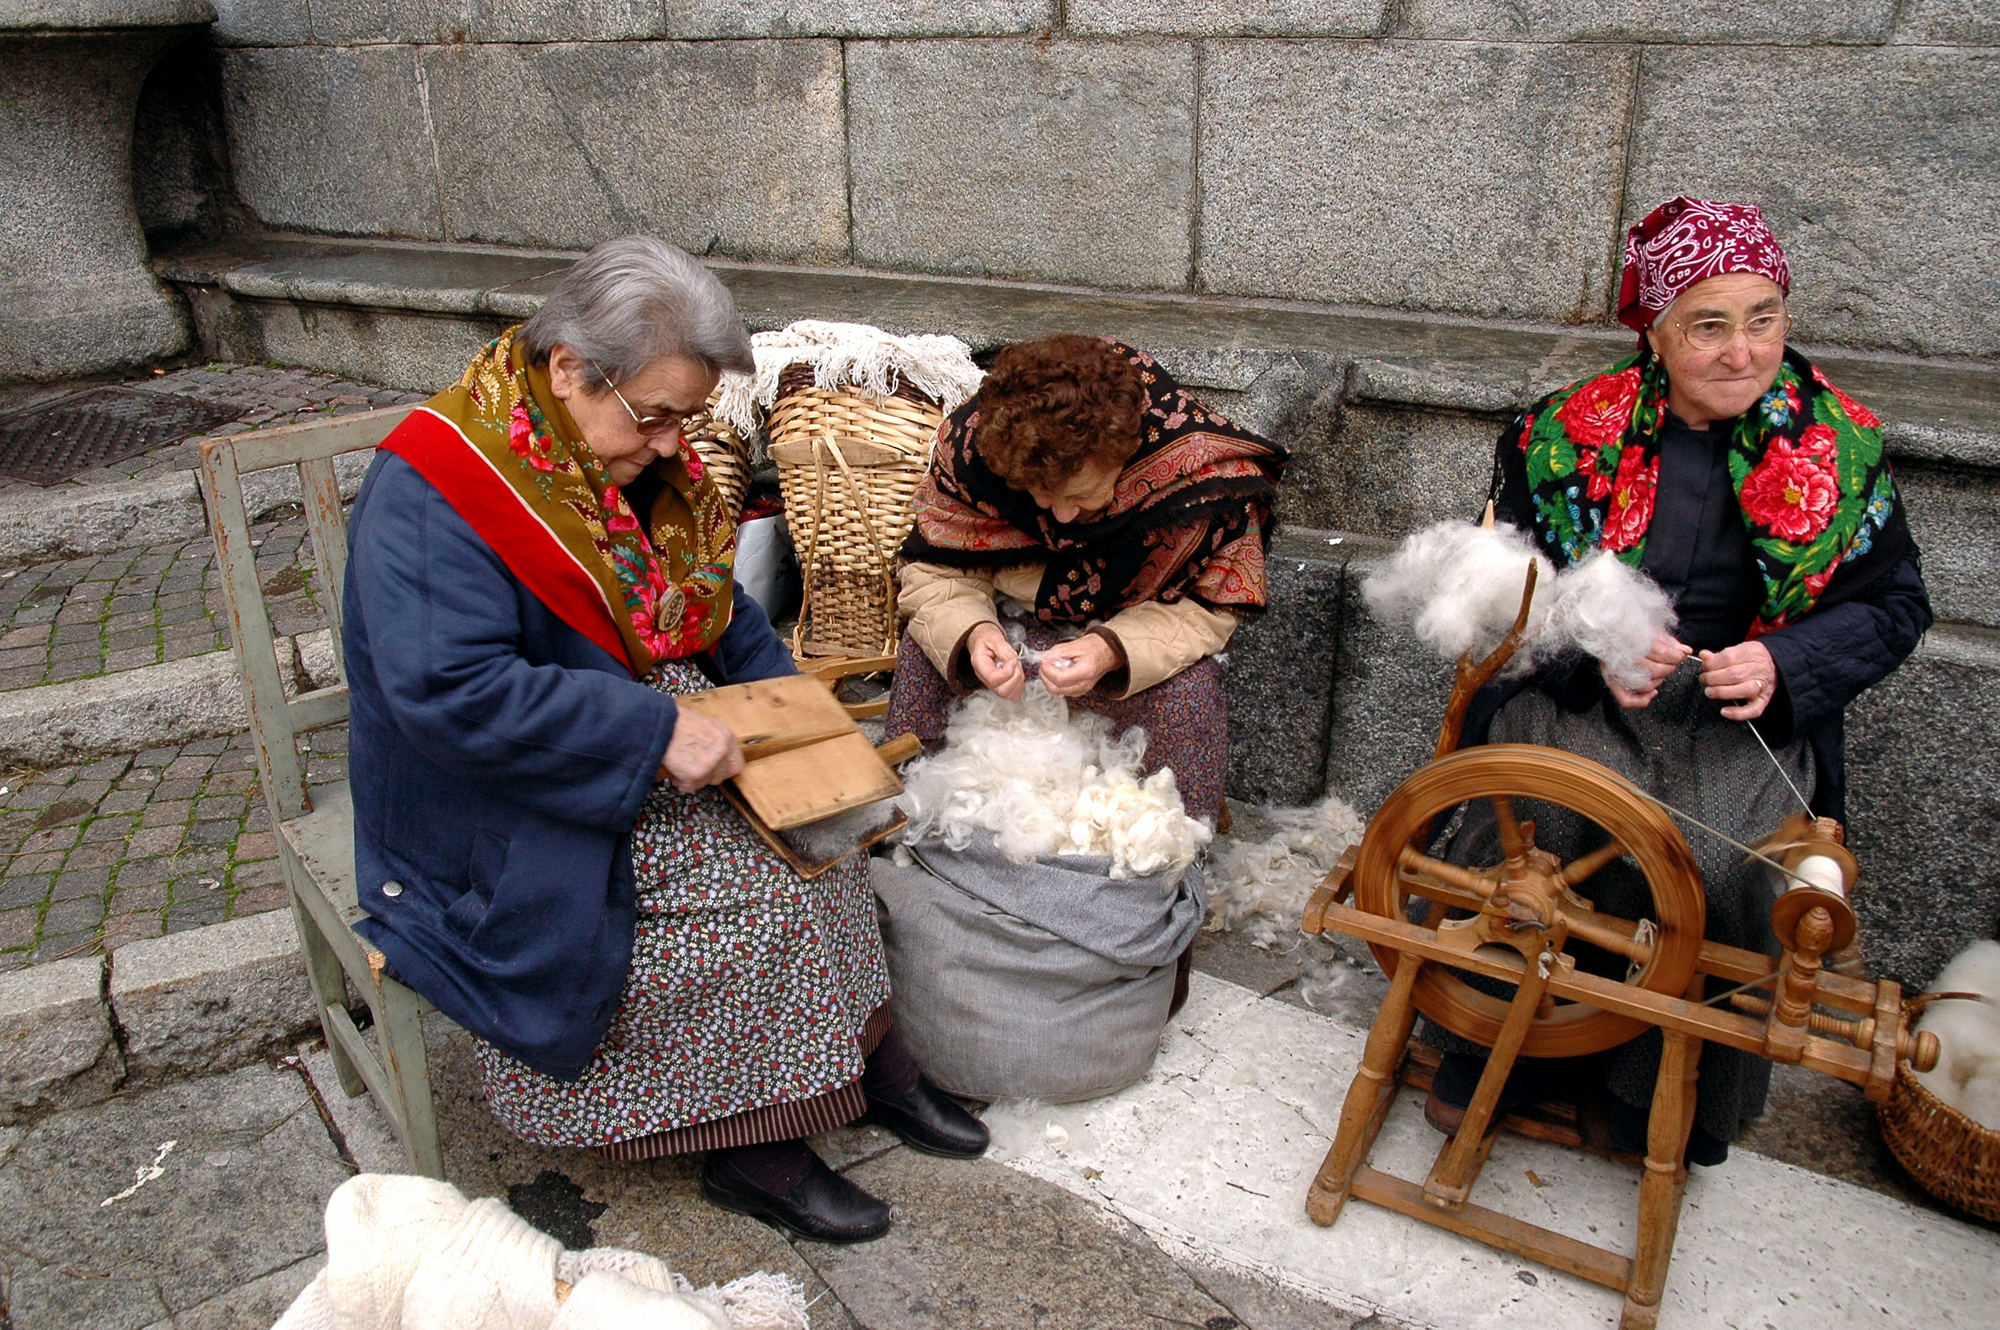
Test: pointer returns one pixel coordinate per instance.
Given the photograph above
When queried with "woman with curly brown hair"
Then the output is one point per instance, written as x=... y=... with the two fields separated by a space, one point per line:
x=1125 y=518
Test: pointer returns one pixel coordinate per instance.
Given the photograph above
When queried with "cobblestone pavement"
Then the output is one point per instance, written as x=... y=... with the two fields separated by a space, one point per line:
x=93 y=857
x=99 y=615
x=273 y=396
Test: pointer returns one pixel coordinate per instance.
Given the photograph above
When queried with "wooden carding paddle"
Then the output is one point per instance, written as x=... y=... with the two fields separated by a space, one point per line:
x=773 y=716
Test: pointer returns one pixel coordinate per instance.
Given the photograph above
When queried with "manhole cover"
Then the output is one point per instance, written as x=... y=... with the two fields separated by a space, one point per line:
x=54 y=442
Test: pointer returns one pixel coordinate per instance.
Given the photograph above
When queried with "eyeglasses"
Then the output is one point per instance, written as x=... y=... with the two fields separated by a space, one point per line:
x=1758 y=330
x=672 y=420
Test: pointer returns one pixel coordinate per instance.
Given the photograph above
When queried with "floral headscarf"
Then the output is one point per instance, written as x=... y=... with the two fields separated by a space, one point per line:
x=502 y=449
x=1806 y=462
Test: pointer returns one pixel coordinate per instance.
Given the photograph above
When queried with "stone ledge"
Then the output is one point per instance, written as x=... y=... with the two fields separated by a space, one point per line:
x=99 y=15
x=199 y=697
x=56 y=1046
x=191 y=1004
x=208 y=1000
x=1938 y=411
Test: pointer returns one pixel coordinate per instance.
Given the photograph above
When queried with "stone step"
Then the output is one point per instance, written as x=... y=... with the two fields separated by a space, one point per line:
x=1391 y=416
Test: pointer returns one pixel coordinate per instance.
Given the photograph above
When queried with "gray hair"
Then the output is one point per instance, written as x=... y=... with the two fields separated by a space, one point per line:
x=632 y=300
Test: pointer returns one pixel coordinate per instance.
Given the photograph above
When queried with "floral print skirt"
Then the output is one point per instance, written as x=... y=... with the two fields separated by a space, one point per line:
x=752 y=999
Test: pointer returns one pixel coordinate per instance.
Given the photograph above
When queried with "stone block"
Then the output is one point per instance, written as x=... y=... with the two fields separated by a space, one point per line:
x=448 y=22
x=733 y=147
x=1955 y=517
x=417 y=351
x=75 y=294
x=56 y=1047
x=856 y=18
x=1701 y=22
x=1949 y=22
x=1389 y=693
x=1281 y=674
x=1418 y=175
x=89 y=15
x=1878 y=169
x=333 y=140
x=262 y=23
x=210 y=999
x=1213 y=18
x=1060 y=161
x=1922 y=801
x=1392 y=469
x=84 y=718
x=1292 y=398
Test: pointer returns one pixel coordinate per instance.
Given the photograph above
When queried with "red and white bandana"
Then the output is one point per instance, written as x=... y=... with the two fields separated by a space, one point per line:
x=1685 y=240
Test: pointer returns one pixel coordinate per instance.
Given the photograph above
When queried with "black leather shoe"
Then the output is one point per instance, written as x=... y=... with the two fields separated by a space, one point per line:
x=930 y=1120
x=823 y=1205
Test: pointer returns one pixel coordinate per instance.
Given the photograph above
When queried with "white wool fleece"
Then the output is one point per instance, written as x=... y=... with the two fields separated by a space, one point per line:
x=1046 y=780
x=1458 y=586
x=1967 y=1075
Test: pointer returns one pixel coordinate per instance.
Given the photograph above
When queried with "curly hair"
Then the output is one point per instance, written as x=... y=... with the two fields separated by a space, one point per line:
x=1050 y=408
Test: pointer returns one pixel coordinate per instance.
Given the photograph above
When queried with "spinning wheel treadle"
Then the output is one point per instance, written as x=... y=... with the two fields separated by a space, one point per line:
x=1532 y=901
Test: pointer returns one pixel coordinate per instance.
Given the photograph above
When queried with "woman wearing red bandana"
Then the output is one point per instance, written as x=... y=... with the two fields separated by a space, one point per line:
x=538 y=568
x=1725 y=466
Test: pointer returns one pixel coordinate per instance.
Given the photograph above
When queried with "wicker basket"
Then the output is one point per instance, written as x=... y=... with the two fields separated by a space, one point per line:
x=724 y=454
x=1950 y=1156
x=848 y=465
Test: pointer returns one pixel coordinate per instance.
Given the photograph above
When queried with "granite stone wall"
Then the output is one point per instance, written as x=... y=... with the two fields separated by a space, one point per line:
x=1458 y=157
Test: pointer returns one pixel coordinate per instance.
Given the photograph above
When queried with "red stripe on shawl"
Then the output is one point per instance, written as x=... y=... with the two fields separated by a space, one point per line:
x=448 y=460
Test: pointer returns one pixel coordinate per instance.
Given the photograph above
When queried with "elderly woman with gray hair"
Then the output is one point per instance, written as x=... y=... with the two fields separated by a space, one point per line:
x=537 y=568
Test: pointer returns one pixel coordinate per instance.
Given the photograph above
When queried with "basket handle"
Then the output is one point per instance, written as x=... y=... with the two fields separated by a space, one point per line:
x=874 y=537
x=860 y=501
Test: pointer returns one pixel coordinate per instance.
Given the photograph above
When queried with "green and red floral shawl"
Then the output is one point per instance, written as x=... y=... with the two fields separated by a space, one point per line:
x=502 y=449
x=1807 y=463
x=1190 y=516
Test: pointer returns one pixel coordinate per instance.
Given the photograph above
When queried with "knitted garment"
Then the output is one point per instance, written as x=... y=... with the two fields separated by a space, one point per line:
x=408 y=1253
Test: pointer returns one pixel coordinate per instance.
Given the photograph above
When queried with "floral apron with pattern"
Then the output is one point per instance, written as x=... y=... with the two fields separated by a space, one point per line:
x=749 y=986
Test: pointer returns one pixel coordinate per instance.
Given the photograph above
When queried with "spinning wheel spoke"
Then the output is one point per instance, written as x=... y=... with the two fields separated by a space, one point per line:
x=1581 y=870
x=1514 y=844
x=1527 y=901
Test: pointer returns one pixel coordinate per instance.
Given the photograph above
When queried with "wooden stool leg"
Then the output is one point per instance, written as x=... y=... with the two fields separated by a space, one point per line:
x=1665 y=1181
x=399 y=1032
x=1368 y=1096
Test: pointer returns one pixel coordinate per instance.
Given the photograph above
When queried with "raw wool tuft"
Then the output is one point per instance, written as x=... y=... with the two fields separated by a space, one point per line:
x=1459 y=587
x=1967 y=1075
x=1260 y=875
x=1611 y=612
x=859 y=355
x=1046 y=780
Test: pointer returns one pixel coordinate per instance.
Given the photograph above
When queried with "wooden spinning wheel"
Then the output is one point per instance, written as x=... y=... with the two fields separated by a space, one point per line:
x=1524 y=923
x=1536 y=893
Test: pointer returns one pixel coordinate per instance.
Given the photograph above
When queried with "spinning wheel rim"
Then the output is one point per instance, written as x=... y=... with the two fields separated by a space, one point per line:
x=1529 y=771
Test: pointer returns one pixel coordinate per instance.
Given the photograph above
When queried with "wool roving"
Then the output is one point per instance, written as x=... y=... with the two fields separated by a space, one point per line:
x=1046 y=780
x=1967 y=1075
x=1260 y=875
x=1458 y=586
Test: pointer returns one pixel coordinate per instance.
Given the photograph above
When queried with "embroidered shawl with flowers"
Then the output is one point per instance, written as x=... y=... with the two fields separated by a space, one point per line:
x=503 y=450
x=1806 y=461
x=1190 y=516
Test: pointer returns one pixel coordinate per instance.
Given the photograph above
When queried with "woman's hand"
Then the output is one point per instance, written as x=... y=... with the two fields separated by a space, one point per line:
x=995 y=661
x=1745 y=674
x=1071 y=669
x=1665 y=657
x=702 y=752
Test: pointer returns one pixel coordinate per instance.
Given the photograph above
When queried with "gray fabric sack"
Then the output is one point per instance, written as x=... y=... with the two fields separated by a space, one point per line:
x=1047 y=980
